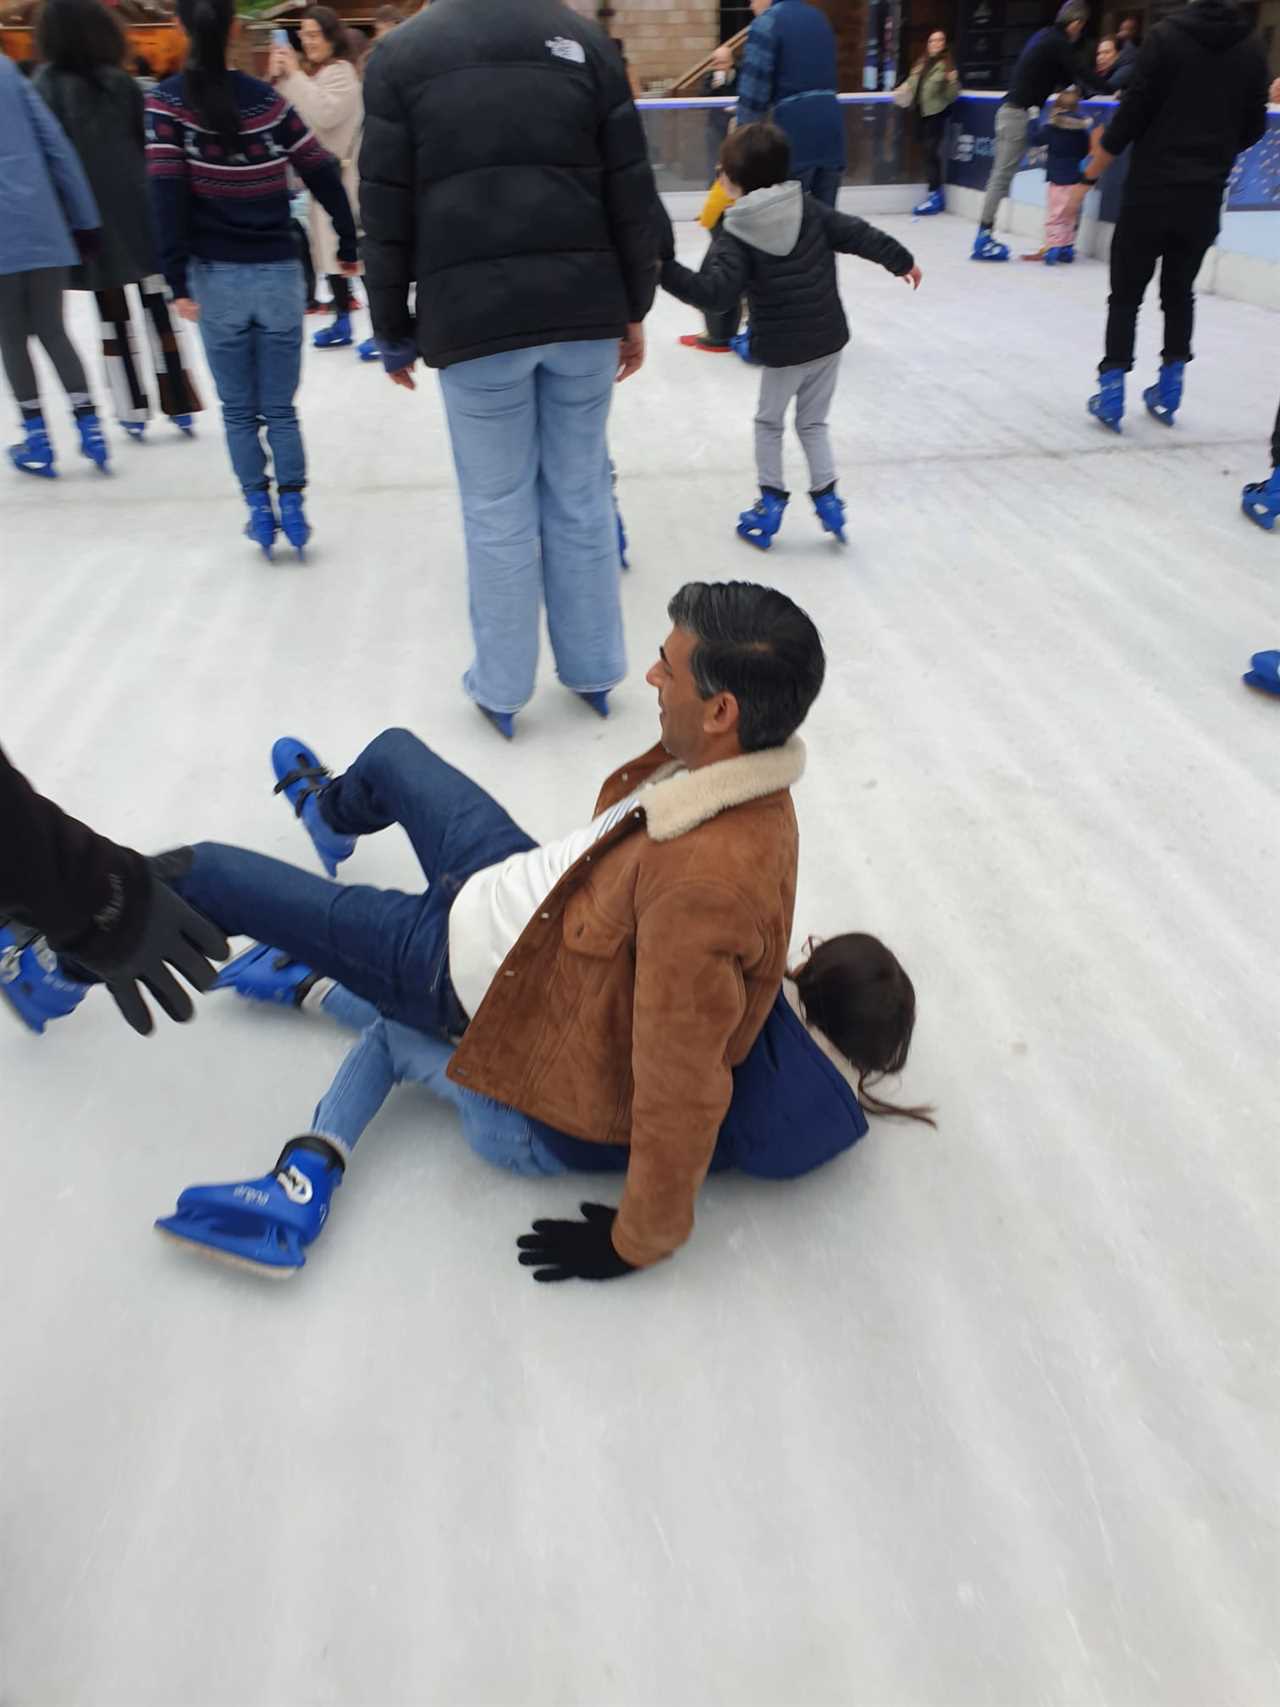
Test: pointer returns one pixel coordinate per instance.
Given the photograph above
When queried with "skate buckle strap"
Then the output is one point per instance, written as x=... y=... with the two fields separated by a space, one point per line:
x=302 y=773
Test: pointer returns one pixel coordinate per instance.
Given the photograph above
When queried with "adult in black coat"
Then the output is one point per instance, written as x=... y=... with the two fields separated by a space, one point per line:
x=1197 y=99
x=98 y=903
x=101 y=109
x=504 y=174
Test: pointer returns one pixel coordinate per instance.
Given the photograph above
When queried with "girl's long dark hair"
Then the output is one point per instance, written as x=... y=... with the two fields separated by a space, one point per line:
x=206 y=81
x=335 y=32
x=945 y=56
x=855 y=992
x=80 y=36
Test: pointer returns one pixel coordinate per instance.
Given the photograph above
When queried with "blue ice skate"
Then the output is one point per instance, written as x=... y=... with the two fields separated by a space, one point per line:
x=1265 y=673
x=368 y=350
x=265 y=974
x=830 y=508
x=759 y=524
x=262 y=1224
x=1107 y=403
x=185 y=424
x=135 y=429
x=740 y=344
x=293 y=522
x=503 y=721
x=301 y=778
x=599 y=702
x=35 y=454
x=335 y=337
x=262 y=525
x=30 y=981
x=1165 y=396
x=1260 y=501
x=92 y=443
x=986 y=248
x=1059 y=255
x=934 y=202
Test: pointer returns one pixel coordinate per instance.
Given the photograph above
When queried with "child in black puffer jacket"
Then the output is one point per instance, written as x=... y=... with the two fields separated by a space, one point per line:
x=778 y=247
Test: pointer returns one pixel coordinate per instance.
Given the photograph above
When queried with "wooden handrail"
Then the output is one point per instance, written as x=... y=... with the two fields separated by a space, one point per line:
x=700 y=70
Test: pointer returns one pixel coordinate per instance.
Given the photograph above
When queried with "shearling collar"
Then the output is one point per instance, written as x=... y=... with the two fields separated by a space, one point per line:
x=677 y=801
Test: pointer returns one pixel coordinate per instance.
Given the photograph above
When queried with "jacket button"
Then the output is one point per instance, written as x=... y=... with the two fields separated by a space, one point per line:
x=624 y=776
x=508 y=974
x=544 y=915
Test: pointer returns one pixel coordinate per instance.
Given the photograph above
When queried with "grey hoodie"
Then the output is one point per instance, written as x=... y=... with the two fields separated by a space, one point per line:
x=768 y=220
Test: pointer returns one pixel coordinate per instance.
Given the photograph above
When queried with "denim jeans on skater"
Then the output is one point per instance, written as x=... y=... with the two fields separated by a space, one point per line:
x=251 y=323
x=385 y=1055
x=528 y=429
x=389 y=947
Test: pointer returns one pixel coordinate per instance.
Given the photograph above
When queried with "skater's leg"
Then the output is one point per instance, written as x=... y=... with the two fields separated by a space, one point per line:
x=931 y=134
x=390 y=948
x=822 y=183
x=723 y=325
x=1135 y=248
x=455 y=827
x=174 y=385
x=120 y=358
x=225 y=294
x=778 y=385
x=579 y=529
x=493 y=427
x=1011 y=143
x=279 y=309
x=1059 y=219
x=351 y=1012
x=1190 y=236
x=361 y=1085
x=45 y=292
x=15 y=345
x=813 y=405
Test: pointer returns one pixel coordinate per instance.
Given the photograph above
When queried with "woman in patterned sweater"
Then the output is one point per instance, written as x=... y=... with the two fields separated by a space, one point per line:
x=219 y=149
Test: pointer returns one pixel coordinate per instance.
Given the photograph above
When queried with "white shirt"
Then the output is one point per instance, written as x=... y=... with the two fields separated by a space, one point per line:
x=493 y=907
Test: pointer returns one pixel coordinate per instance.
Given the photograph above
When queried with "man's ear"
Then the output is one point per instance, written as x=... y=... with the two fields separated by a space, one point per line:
x=721 y=717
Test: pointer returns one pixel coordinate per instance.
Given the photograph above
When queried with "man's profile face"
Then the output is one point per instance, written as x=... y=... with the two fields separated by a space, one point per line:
x=1106 y=56
x=680 y=708
x=1128 y=29
x=1075 y=29
x=758 y=6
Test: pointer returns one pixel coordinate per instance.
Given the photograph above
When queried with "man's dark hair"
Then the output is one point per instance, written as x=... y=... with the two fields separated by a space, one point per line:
x=754 y=643
x=756 y=156
x=1074 y=12
x=80 y=36
x=389 y=15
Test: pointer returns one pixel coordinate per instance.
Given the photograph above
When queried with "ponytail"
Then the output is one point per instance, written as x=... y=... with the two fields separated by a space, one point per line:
x=206 y=85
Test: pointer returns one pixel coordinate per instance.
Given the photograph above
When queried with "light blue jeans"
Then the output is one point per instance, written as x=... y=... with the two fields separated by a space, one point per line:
x=529 y=443
x=251 y=323
x=387 y=1054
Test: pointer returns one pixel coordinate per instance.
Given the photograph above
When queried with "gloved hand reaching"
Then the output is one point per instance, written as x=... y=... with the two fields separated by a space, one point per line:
x=173 y=935
x=574 y=1250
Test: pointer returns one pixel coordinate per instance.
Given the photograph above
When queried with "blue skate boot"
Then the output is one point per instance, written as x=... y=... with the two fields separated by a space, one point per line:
x=262 y=525
x=1260 y=501
x=1165 y=396
x=1265 y=673
x=185 y=424
x=599 y=702
x=759 y=524
x=830 y=510
x=1107 y=403
x=740 y=344
x=293 y=522
x=934 y=202
x=986 y=248
x=503 y=721
x=92 y=443
x=30 y=981
x=264 y=974
x=135 y=429
x=335 y=337
x=35 y=454
x=301 y=778
x=368 y=350
x=263 y=1224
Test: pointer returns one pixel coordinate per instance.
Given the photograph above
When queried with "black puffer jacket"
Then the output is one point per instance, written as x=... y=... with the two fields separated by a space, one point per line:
x=778 y=247
x=504 y=171
x=1197 y=98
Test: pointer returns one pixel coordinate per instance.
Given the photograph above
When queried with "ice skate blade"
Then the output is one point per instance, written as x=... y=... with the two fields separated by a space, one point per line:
x=229 y=1259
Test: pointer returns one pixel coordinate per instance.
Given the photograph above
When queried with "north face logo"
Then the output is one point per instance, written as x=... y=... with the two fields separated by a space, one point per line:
x=564 y=47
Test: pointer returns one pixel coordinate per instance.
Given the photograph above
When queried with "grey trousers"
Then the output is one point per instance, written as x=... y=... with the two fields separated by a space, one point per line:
x=813 y=385
x=31 y=307
x=1011 y=144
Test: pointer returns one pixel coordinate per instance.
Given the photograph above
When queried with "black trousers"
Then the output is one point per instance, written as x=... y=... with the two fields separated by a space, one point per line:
x=302 y=243
x=1176 y=233
x=932 y=130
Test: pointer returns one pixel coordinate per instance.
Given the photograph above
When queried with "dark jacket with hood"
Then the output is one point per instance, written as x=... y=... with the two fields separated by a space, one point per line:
x=504 y=171
x=103 y=116
x=778 y=247
x=1049 y=61
x=1197 y=99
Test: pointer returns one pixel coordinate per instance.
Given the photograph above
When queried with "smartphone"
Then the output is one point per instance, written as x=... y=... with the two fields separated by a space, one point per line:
x=279 y=38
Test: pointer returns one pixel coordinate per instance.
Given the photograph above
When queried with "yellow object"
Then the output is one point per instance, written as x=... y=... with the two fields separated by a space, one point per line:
x=718 y=199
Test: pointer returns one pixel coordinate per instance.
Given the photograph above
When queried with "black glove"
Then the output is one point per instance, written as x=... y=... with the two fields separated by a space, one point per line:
x=173 y=935
x=574 y=1250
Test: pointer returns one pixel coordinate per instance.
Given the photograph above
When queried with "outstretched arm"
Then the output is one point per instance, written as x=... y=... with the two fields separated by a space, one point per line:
x=849 y=235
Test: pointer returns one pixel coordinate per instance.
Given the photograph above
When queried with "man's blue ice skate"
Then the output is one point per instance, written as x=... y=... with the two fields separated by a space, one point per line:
x=986 y=248
x=1265 y=673
x=599 y=702
x=265 y=974
x=301 y=778
x=1165 y=396
x=335 y=337
x=1260 y=501
x=92 y=443
x=264 y=1224
x=293 y=522
x=30 y=981
x=759 y=524
x=830 y=508
x=934 y=202
x=740 y=344
x=262 y=525
x=35 y=454
x=368 y=350
x=1107 y=403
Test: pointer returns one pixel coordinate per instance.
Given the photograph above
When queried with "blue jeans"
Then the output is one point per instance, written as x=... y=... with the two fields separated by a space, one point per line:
x=388 y=947
x=822 y=183
x=528 y=430
x=251 y=323
x=386 y=1054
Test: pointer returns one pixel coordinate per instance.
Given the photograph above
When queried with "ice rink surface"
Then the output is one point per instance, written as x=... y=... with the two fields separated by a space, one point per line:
x=981 y=1416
